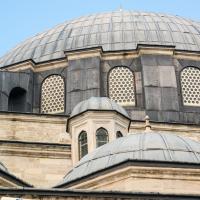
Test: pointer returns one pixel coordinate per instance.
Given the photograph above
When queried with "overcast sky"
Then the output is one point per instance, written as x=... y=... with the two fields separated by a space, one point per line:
x=20 y=19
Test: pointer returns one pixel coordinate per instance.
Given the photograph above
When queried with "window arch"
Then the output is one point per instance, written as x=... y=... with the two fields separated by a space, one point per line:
x=122 y=86
x=101 y=137
x=119 y=134
x=190 y=84
x=83 y=144
x=52 y=95
x=17 y=100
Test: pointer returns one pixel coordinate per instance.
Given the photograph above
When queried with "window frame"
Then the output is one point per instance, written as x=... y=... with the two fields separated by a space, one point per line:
x=134 y=84
x=40 y=102
x=82 y=145
x=186 y=107
x=102 y=141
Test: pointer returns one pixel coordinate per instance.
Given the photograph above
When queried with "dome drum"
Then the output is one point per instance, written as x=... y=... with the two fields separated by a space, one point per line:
x=142 y=74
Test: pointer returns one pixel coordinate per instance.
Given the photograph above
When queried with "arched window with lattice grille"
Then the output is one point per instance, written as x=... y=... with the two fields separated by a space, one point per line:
x=121 y=83
x=53 y=95
x=101 y=137
x=190 y=85
x=83 y=144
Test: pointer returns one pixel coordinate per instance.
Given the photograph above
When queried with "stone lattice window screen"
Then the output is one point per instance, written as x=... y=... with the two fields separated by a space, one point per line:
x=122 y=86
x=190 y=84
x=52 y=95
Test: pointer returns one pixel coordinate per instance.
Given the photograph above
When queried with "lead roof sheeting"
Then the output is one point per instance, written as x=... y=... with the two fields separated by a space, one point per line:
x=98 y=103
x=152 y=146
x=109 y=29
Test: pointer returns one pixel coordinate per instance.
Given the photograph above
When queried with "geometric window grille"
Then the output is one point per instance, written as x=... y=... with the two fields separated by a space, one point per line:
x=101 y=137
x=52 y=95
x=122 y=86
x=83 y=146
x=190 y=84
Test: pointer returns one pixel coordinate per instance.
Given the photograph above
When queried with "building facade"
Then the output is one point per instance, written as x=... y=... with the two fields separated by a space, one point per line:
x=103 y=106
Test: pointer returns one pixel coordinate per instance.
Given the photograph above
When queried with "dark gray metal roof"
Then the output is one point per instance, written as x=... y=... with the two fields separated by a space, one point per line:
x=118 y=30
x=98 y=103
x=151 y=146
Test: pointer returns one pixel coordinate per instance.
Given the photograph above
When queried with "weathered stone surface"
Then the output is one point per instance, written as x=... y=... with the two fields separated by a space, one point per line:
x=83 y=80
x=138 y=82
x=31 y=147
x=153 y=98
x=169 y=99
x=167 y=76
x=164 y=60
x=137 y=115
x=148 y=60
x=151 y=75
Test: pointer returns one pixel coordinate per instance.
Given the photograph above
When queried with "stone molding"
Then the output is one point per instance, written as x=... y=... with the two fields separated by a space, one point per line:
x=133 y=178
x=39 y=150
x=98 y=52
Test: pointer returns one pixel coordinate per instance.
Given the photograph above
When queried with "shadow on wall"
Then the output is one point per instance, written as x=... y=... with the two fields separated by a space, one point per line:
x=17 y=100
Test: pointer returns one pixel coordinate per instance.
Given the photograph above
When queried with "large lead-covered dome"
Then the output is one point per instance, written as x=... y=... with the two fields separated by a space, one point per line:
x=147 y=146
x=119 y=30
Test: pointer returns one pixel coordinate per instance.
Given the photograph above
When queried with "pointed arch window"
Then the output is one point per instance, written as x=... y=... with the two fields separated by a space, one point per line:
x=101 y=137
x=190 y=85
x=122 y=86
x=119 y=134
x=52 y=95
x=83 y=144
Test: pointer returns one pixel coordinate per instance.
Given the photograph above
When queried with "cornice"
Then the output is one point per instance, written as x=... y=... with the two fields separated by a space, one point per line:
x=141 y=49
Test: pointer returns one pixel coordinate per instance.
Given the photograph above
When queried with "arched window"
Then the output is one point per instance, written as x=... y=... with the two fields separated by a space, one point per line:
x=101 y=137
x=119 y=134
x=17 y=100
x=190 y=84
x=52 y=95
x=83 y=144
x=122 y=86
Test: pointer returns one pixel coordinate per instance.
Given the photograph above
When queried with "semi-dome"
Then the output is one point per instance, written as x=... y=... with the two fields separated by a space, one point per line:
x=98 y=103
x=119 y=30
x=146 y=146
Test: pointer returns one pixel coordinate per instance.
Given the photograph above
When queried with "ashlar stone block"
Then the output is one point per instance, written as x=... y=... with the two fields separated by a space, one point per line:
x=167 y=76
x=153 y=98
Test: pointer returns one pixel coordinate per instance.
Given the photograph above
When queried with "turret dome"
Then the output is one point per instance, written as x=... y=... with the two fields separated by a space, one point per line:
x=98 y=103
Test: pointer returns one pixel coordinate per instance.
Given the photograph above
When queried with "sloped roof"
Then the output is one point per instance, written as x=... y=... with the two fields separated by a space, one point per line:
x=10 y=178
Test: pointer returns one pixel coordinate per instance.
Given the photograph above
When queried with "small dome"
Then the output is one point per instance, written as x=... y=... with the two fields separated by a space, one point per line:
x=153 y=146
x=98 y=103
